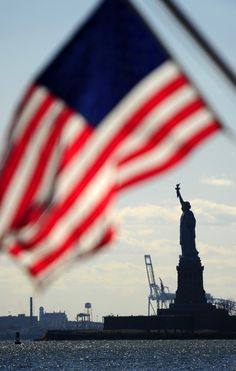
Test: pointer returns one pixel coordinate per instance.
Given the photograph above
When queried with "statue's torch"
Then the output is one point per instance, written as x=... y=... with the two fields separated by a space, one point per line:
x=177 y=188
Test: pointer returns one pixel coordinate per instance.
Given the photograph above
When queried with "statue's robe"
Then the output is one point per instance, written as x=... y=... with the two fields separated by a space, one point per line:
x=187 y=234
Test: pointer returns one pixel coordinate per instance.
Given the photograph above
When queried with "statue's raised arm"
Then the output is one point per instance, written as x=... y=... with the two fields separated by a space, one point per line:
x=177 y=188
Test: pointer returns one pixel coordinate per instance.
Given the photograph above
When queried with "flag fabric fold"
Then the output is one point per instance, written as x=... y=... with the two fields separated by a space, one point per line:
x=111 y=109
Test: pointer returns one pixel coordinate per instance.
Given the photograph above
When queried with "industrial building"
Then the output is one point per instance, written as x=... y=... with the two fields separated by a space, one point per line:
x=32 y=327
x=28 y=326
x=18 y=322
x=54 y=320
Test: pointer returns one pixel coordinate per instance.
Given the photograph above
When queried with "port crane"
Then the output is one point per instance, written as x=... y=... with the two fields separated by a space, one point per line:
x=159 y=296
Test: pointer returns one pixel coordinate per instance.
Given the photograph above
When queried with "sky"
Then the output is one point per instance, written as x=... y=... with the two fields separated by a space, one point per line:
x=115 y=281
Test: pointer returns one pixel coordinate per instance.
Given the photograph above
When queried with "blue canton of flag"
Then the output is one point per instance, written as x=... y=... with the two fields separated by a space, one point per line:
x=111 y=109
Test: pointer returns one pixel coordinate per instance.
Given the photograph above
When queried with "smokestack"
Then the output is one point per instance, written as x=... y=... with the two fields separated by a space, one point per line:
x=31 y=307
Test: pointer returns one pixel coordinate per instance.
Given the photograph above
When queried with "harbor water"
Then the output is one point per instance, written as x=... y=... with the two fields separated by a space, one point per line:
x=161 y=355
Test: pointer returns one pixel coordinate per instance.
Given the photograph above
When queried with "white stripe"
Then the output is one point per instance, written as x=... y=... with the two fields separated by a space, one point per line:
x=26 y=167
x=89 y=240
x=73 y=127
x=157 y=118
x=28 y=112
x=160 y=154
x=79 y=210
x=70 y=257
x=113 y=123
x=44 y=192
x=93 y=236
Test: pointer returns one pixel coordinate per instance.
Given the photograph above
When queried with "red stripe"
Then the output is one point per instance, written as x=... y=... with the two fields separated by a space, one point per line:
x=76 y=146
x=25 y=206
x=162 y=132
x=60 y=209
x=18 y=148
x=105 y=239
x=48 y=260
x=16 y=249
x=26 y=97
x=179 y=155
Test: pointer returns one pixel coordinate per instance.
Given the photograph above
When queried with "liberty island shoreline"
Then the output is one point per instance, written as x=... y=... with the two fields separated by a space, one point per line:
x=63 y=335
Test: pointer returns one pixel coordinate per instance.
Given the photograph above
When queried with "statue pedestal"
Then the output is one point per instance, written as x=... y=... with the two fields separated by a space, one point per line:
x=190 y=295
x=190 y=282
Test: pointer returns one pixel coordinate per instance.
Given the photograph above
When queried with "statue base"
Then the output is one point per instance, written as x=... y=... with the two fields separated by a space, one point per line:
x=190 y=298
x=190 y=282
x=190 y=295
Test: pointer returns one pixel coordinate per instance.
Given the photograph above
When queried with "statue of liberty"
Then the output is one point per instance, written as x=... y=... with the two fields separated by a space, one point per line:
x=187 y=228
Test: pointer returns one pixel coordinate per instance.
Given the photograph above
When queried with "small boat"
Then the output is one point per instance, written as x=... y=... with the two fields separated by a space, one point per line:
x=17 y=341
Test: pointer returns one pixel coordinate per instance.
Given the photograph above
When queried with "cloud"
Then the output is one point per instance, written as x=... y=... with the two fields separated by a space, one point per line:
x=219 y=182
x=148 y=214
x=145 y=232
x=218 y=252
x=144 y=217
x=210 y=212
x=161 y=245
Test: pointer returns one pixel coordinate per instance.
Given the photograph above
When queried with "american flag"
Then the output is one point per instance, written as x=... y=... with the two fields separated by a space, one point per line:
x=110 y=110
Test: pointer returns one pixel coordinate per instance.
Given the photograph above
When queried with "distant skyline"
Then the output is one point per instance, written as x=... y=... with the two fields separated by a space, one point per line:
x=115 y=281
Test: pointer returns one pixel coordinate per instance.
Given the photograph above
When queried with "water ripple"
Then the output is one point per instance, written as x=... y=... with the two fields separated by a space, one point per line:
x=122 y=355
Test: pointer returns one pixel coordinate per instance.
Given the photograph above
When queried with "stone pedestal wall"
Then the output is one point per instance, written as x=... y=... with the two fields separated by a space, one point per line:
x=190 y=282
